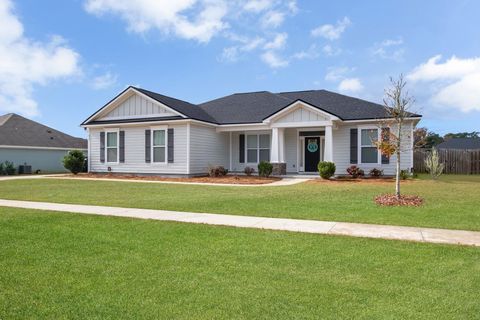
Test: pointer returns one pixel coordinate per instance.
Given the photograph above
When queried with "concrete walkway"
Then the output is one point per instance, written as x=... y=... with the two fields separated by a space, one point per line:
x=30 y=176
x=459 y=237
x=282 y=182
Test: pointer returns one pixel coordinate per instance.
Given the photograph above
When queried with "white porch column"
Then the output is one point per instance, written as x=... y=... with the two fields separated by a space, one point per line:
x=277 y=145
x=274 y=147
x=328 y=156
x=281 y=145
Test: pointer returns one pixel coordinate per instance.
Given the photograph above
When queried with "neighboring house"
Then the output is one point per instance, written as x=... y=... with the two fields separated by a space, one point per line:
x=143 y=132
x=23 y=141
x=460 y=143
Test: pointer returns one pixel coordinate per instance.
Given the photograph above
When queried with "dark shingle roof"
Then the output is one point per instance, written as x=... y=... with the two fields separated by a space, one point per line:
x=254 y=107
x=16 y=130
x=344 y=107
x=460 y=143
x=186 y=108
x=245 y=107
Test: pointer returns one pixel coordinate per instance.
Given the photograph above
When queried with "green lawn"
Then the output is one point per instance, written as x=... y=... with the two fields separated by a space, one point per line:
x=61 y=265
x=453 y=202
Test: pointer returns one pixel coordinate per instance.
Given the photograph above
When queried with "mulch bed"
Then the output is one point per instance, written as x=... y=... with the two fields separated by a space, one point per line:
x=404 y=200
x=228 y=179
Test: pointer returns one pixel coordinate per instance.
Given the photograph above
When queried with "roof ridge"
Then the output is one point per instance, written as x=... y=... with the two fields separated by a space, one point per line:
x=250 y=92
x=311 y=90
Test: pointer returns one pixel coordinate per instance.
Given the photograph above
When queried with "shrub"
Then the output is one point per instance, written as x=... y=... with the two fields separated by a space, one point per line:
x=248 y=171
x=355 y=171
x=217 y=171
x=265 y=169
x=9 y=168
x=74 y=161
x=433 y=165
x=2 y=170
x=376 y=172
x=326 y=169
x=404 y=174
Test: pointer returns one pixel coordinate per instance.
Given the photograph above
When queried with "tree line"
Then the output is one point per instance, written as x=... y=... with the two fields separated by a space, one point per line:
x=425 y=138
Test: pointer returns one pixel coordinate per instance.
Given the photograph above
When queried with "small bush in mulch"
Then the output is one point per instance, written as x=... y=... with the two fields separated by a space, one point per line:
x=404 y=200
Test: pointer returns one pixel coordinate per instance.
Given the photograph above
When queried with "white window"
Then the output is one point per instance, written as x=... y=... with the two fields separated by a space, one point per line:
x=112 y=147
x=159 y=149
x=258 y=148
x=368 y=150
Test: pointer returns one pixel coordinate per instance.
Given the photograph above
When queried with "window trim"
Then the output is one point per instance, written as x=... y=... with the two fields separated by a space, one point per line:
x=117 y=131
x=152 y=146
x=360 y=146
x=258 y=148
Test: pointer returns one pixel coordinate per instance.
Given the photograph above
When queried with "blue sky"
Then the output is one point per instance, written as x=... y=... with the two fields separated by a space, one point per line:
x=62 y=60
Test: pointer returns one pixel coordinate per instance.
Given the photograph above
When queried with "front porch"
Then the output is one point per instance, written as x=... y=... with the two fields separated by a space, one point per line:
x=292 y=151
x=294 y=140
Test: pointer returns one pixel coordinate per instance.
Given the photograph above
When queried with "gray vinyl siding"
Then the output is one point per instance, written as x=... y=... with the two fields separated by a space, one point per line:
x=291 y=147
x=135 y=153
x=341 y=152
x=47 y=161
x=207 y=148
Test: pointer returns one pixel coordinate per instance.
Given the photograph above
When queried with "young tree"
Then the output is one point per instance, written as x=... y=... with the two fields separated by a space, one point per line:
x=433 y=165
x=397 y=103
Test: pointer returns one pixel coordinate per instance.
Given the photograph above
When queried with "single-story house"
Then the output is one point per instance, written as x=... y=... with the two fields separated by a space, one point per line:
x=460 y=144
x=23 y=141
x=143 y=132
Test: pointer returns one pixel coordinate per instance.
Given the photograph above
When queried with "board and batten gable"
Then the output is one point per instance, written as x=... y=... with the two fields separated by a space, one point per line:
x=137 y=106
x=301 y=114
x=135 y=152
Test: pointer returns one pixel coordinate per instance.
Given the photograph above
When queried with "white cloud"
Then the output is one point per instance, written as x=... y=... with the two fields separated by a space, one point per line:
x=332 y=32
x=311 y=53
x=455 y=83
x=229 y=54
x=188 y=19
x=257 y=5
x=292 y=6
x=232 y=54
x=25 y=63
x=277 y=43
x=273 y=60
x=337 y=73
x=331 y=51
x=104 y=81
x=389 y=49
x=351 y=85
x=273 y=19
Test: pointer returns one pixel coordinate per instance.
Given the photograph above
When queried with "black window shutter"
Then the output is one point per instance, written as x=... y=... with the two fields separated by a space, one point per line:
x=121 y=150
x=147 y=145
x=386 y=138
x=102 y=147
x=241 y=145
x=170 y=145
x=353 y=146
